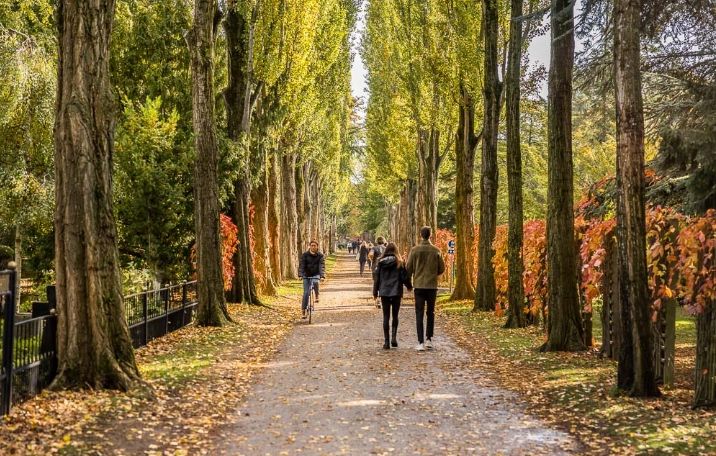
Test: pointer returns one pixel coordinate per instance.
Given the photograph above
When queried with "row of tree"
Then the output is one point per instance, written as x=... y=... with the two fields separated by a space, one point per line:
x=238 y=106
x=435 y=67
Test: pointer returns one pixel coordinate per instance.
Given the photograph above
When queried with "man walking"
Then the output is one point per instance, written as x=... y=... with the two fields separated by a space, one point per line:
x=425 y=265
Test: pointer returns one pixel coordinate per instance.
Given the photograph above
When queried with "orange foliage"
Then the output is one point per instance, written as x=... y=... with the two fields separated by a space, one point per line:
x=696 y=263
x=229 y=242
x=592 y=251
x=499 y=262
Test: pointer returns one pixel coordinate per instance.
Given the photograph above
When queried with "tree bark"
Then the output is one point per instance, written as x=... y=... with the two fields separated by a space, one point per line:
x=261 y=199
x=515 y=290
x=465 y=145
x=239 y=100
x=212 y=305
x=428 y=167
x=485 y=293
x=564 y=324
x=705 y=394
x=406 y=217
x=93 y=344
x=274 y=225
x=289 y=218
x=636 y=370
x=301 y=206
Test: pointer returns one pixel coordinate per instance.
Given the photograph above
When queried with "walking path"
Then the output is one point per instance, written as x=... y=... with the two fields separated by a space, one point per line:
x=332 y=389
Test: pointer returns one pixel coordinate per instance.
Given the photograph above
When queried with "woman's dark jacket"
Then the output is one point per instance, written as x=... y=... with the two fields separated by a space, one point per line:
x=363 y=253
x=388 y=278
x=312 y=265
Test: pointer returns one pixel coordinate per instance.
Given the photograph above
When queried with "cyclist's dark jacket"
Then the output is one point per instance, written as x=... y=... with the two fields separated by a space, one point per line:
x=312 y=265
x=388 y=278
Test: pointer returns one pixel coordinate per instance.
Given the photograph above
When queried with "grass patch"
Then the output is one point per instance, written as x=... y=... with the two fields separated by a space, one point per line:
x=572 y=390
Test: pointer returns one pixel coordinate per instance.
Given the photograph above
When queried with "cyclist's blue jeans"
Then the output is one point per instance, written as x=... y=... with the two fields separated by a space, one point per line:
x=307 y=290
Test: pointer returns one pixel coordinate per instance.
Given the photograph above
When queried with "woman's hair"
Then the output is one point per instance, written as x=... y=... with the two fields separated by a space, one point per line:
x=392 y=249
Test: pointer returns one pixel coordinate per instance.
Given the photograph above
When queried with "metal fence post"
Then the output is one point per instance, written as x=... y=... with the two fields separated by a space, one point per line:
x=145 y=313
x=183 y=303
x=166 y=310
x=7 y=343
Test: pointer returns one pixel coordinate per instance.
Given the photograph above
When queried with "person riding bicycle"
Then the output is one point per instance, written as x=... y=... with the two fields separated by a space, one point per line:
x=311 y=268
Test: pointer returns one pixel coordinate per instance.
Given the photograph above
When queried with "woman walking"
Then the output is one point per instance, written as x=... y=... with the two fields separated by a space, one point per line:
x=363 y=256
x=389 y=277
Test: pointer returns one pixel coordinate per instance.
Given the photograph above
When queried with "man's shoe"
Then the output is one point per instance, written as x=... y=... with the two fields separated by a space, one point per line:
x=303 y=315
x=429 y=344
x=420 y=347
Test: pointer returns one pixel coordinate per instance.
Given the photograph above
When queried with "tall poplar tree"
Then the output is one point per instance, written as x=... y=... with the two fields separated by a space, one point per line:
x=515 y=289
x=635 y=370
x=564 y=323
x=492 y=89
x=212 y=305
x=93 y=344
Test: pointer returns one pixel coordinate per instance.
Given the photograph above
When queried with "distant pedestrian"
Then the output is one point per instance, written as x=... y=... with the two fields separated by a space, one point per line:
x=377 y=251
x=363 y=256
x=389 y=277
x=349 y=244
x=425 y=265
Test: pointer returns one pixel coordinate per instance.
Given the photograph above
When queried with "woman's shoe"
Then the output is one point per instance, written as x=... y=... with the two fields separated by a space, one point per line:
x=386 y=346
x=394 y=343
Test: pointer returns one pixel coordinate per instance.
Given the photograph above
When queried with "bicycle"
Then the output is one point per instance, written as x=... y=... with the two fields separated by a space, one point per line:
x=312 y=295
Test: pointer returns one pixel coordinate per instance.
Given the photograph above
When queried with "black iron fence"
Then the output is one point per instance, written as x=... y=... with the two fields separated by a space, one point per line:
x=152 y=314
x=28 y=360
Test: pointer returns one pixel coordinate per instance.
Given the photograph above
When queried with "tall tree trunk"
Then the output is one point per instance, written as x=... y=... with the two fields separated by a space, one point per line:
x=406 y=217
x=260 y=197
x=465 y=145
x=301 y=206
x=212 y=305
x=636 y=371
x=93 y=344
x=289 y=218
x=515 y=291
x=428 y=167
x=705 y=394
x=274 y=225
x=239 y=100
x=564 y=323
x=485 y=293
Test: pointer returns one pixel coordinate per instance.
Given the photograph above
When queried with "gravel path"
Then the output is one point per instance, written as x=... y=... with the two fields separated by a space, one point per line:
x=332 y=389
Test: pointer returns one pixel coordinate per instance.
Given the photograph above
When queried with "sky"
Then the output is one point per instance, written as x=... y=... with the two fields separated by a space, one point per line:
x=538 y=53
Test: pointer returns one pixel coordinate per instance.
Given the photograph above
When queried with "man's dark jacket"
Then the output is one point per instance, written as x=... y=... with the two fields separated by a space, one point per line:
x=312 y=265
x=389 y=278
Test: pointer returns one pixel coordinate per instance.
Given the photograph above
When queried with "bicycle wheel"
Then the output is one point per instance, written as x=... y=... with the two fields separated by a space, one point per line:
x=310 y=304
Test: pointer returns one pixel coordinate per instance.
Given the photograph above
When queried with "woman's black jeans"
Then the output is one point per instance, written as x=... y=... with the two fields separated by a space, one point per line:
x=390 y=303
